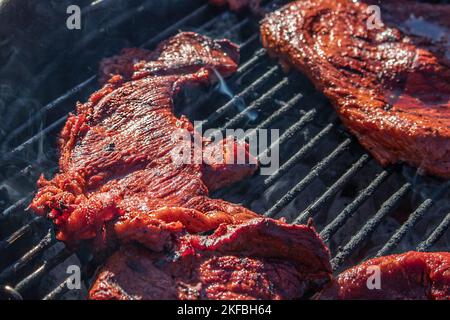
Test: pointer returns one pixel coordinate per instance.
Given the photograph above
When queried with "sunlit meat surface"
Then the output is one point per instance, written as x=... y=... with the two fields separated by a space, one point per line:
x=260 y=259
x=120 y=174
x=388 y=80
x=412 y=275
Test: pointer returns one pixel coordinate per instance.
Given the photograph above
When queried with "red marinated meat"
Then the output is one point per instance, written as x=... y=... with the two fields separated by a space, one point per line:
x=118 y=175
x=412 y=275
x=389 y=85
x=260 y=259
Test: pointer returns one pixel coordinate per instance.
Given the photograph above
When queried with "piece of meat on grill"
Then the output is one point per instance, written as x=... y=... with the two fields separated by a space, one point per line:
x=390 y=85
x=259 y=259
x=120 y=165
x=412 y=275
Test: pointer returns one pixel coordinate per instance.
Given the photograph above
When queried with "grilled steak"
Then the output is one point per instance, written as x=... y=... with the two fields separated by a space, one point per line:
x=413 y=275
x=119 y=169
x=260 y=259
x=390 y=84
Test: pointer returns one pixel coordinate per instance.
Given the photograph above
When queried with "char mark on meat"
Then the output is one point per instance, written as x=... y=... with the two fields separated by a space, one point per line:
x=389 y=84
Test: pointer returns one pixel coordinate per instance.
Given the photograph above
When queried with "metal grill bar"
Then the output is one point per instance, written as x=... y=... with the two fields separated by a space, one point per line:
x=249 y=64
x=27 y=258
x=436 y=235
x=60 y=290
x=288 y=165
x=49 y=107
x=299 y=125
x=308 y=179
x=406 y=227
x=10 y=155
x=208 y=23
x=248 y=41
x=331 y=191
x=18 y=174
x=174 y=27
x=277 y=114
x=255 y=105
x=10 y=293
x=237 y=27
x=300 y=154
x=6 y=243
x=239 y=97
x=20 y=204
x=370 y=226
x=42 y=270
x=349 y=210
x=120 y=18
x=306 y=118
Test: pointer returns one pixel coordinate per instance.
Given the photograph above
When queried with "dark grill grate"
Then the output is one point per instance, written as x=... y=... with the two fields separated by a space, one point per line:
x=311 y=137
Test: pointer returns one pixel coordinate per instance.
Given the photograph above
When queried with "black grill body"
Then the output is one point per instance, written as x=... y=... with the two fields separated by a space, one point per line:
x=360 y=209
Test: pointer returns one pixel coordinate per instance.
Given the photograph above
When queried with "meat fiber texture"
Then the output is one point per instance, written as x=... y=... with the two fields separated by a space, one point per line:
x=259 y=259
x=408 y=276
x=118 y=177
x=389 y=81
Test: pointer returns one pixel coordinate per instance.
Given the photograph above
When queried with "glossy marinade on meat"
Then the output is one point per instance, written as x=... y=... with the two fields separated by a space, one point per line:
x=118 y=177
x=412 y=275
x=260 y=259
x=390 y=84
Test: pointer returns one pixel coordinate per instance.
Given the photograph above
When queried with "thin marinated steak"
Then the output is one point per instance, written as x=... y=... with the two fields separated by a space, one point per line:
x=119 y=171
x=389 y=85
x=260 y=259
x=412 y=275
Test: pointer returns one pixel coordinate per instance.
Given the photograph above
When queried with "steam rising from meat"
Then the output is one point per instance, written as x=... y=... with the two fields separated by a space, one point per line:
x=238 y=102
